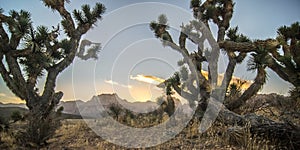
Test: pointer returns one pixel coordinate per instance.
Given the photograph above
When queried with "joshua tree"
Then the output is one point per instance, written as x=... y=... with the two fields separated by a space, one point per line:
x=264 y=53
x=220 y=13
x=280 y=54
x=115 y=110
x=29 y=53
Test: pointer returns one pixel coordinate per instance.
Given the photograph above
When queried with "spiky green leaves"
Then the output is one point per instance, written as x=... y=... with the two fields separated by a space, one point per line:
x=55 y=4
x=45 y=51
x=211 y=11
x=233 y=35
x=160 y=26
x=98 y=10
x=195 y=3
x=35 y=63
x=88 y=16
x=162 y=19
x=172 y=81
x=39 y=60
x=290 y=32
x=37 y=39
x=19 y=23
x=41 y=35
x=66 y=45
x=175 y=79
x=258 y=60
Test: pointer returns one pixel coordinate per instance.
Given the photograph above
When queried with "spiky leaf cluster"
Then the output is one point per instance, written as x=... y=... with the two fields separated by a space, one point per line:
x=258 y=60
x=159 y=27
x=172 y=81
x=184 y=73
x=34 y=64
x=214 y=9
x=292 y=32
x=46 y=50
x=19 y=23
x=54 y=4
x=175 y=79
x=88 y=15
x=195 y=3
x=233 y=35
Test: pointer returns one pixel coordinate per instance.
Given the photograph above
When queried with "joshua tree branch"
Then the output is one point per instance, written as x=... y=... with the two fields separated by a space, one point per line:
x=253 y=89
x=10 y=82
x=228 y=73
x=248 y=46
x=21 y=52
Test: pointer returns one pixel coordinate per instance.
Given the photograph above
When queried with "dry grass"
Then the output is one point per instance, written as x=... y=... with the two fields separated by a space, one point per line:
x=75 y=134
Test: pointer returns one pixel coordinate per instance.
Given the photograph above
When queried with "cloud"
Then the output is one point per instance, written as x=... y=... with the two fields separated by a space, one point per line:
x=118 y=84
x=2 y=95
x=157 y=81
x=6 y=98
x=147 y=79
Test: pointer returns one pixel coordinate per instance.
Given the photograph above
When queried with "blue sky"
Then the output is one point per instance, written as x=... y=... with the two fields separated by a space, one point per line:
x=130 y=49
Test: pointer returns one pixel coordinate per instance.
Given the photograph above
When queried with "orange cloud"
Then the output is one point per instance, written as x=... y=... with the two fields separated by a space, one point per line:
x=156 y=80
x=4 y=98
x=147 y=79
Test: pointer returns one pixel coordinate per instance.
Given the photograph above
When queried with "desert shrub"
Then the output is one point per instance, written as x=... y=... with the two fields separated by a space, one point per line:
x=38 y=131
x=115 y=111
x=4 y=124
x=16 y=116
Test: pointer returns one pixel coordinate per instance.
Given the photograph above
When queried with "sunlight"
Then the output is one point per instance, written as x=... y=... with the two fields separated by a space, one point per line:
x=141 y=93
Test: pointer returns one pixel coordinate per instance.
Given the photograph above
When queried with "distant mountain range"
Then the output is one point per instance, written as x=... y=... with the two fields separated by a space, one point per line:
x=100 y=103
x=95 y=107
x=13 y=105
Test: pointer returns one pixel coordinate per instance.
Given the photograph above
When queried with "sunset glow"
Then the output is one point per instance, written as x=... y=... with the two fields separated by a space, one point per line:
x=141 y=93
x=147 y=79
x=234 y=80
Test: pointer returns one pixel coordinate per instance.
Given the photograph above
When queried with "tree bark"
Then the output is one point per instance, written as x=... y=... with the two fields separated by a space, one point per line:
x=284 y=135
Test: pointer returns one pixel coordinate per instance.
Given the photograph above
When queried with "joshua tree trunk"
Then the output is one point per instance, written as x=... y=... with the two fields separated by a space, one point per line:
x=43 y=55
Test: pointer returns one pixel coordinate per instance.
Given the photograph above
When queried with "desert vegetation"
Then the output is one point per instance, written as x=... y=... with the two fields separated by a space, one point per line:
x=246 y=120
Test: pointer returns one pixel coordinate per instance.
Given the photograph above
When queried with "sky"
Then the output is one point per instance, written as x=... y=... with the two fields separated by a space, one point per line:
x=131 y=56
